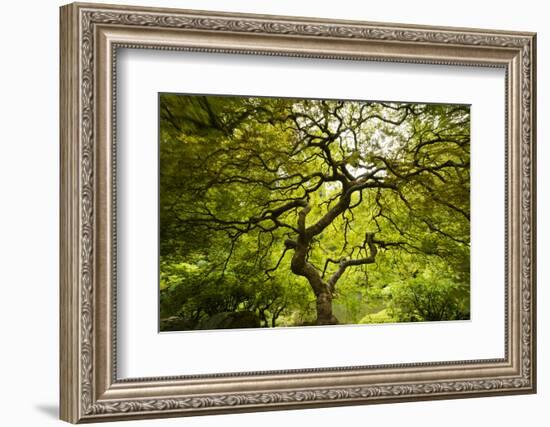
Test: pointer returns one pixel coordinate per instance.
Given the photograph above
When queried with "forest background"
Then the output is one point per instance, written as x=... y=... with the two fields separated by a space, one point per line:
x=295 y=212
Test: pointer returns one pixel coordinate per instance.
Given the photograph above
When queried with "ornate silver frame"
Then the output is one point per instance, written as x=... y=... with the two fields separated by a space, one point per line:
x=90 y=36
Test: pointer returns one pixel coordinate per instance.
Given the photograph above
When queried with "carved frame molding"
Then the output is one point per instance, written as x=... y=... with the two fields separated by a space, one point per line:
x=90 y=37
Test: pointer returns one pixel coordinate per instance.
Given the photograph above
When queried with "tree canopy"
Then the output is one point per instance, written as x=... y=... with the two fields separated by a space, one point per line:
x=277 y=211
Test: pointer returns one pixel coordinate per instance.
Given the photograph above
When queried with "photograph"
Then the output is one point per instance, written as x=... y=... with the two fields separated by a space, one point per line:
x=282 y=212
x=261 y=211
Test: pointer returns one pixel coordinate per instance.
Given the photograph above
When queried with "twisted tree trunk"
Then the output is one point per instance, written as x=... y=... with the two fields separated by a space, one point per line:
x=302 y=267
x=324 y=310
x=323 y=290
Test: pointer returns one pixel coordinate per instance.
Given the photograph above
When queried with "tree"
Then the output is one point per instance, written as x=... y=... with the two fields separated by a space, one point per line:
x=321 y=186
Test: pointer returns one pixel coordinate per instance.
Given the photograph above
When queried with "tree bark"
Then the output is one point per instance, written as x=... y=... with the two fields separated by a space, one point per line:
x=301 y=267
x=324 y=310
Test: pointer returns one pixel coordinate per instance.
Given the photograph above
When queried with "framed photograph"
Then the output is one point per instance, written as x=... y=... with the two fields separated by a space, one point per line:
x=266 y=212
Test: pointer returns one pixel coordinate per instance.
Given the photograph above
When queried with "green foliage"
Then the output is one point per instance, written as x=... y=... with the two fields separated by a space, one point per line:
x=383 y=190
x=382 y=316
x=196 y=292
x=429 y=300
